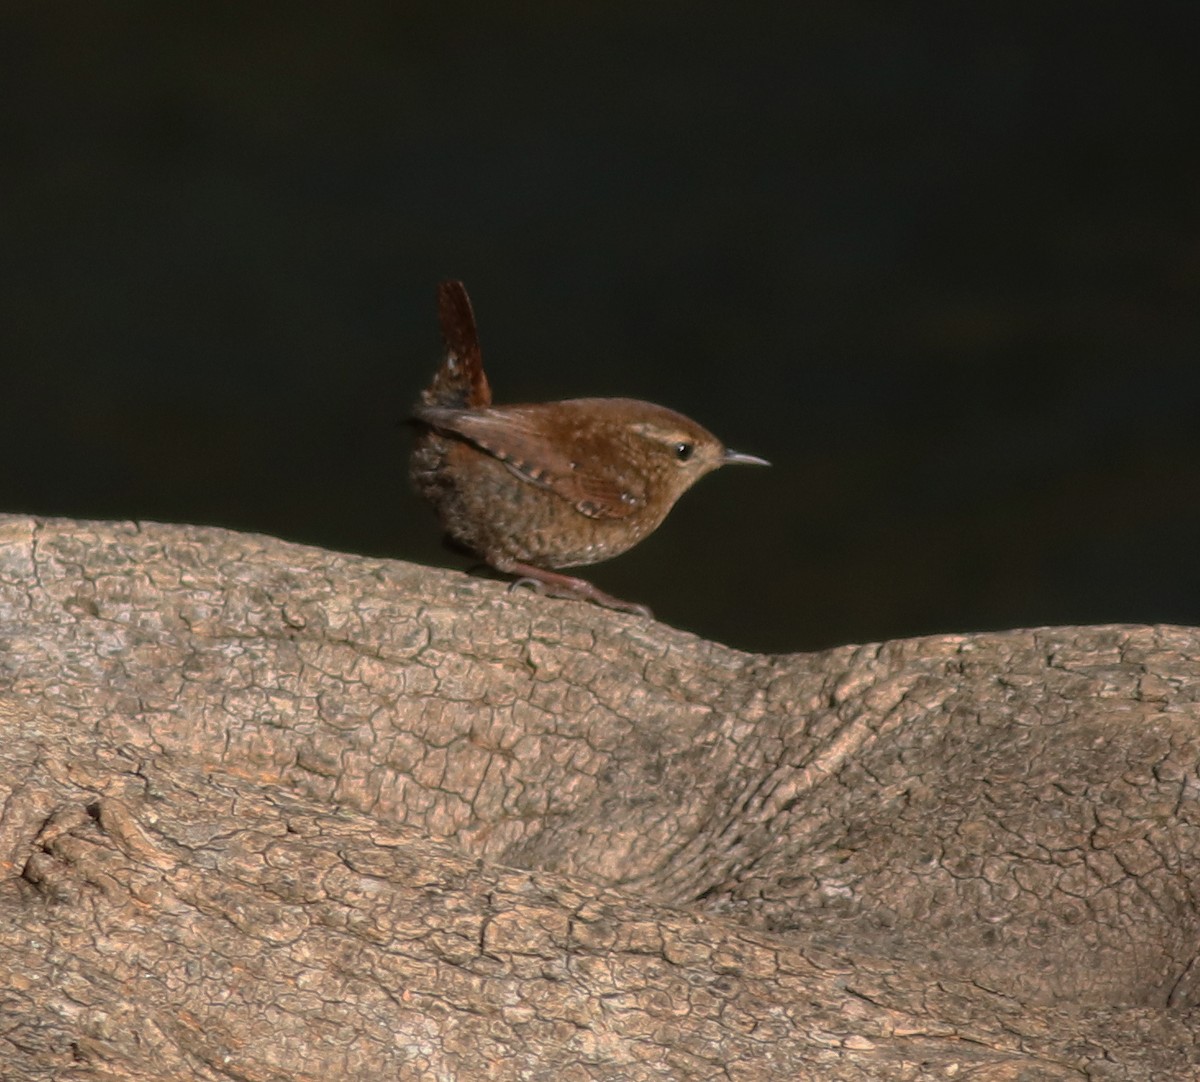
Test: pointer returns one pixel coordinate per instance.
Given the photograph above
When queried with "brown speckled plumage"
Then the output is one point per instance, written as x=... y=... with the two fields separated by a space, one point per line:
x=531 y=488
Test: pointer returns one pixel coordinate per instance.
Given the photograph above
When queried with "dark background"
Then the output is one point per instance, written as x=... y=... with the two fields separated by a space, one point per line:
x=940 y=263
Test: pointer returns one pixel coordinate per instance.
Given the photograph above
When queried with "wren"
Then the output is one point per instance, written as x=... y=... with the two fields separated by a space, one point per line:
x=532 y=488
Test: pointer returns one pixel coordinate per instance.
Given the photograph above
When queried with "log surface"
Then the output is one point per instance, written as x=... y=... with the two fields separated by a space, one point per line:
x=269 y=812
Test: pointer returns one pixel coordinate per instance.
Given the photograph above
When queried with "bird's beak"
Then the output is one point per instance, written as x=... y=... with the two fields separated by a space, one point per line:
x=736 y=458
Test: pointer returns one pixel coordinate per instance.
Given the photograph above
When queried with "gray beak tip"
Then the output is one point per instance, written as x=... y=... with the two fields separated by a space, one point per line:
x=737 y=458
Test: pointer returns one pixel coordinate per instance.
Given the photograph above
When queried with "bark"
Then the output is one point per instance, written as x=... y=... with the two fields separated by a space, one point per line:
x=269 y=812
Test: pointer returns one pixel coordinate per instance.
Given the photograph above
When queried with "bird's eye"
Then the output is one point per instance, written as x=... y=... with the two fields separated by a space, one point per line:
x=683 y=451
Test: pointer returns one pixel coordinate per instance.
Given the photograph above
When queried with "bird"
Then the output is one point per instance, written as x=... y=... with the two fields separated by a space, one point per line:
x=531 y=489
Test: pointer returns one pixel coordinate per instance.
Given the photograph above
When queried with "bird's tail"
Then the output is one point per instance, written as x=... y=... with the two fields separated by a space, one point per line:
x=459 y=382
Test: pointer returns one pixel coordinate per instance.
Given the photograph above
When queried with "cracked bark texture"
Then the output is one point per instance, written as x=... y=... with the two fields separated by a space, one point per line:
x=269 y=812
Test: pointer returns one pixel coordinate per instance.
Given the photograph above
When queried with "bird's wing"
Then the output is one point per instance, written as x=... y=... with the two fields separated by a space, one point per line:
x=569 y=468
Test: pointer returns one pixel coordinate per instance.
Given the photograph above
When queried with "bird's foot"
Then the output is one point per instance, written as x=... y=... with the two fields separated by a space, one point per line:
x=552 y=584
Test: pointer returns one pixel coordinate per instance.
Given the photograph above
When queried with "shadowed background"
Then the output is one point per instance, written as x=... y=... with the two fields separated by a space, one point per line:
x=941 y=265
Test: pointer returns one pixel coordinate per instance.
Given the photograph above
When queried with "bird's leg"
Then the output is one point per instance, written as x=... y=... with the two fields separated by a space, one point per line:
x=556 y=585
